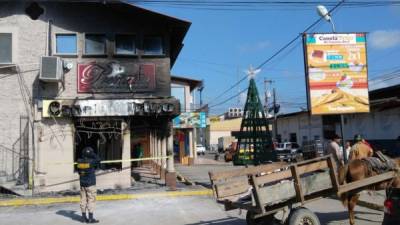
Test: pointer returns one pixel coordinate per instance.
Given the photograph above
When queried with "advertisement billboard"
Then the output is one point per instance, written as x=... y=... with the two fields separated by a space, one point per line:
x=191 y=120
x=337 y=75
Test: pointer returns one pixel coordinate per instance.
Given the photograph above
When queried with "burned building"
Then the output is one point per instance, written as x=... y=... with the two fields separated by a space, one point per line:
x=84 y=73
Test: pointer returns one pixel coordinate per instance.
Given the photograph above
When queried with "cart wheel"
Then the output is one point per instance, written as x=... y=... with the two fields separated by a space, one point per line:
x=303 y=216
x=265 y=220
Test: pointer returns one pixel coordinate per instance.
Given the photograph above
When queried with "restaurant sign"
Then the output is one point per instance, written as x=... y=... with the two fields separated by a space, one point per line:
x=115 y=77
x=336 y=67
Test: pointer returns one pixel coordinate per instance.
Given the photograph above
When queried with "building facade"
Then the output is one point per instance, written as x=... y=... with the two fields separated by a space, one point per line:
x=85 y=73
x=379 y=126
x=186 y=133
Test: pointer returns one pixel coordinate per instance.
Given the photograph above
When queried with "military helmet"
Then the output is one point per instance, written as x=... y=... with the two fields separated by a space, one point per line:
x=87 y=152
x=358 y=137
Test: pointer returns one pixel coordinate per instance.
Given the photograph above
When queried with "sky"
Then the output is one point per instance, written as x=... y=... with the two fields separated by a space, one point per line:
x=221 y=45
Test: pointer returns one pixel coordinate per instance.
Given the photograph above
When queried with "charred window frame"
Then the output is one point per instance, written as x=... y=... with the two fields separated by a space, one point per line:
x=125 y=45
x=105 y=137
x=153 y=45
x=95 y=44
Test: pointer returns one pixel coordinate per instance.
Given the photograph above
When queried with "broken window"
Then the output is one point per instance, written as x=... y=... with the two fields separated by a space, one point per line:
x=105 y=137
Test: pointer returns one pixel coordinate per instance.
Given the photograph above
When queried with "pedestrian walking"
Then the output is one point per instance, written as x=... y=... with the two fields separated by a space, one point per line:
x=86 y=168
x=334 y=149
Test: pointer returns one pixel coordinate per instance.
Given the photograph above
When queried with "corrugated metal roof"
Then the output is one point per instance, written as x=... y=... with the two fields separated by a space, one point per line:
x=384 y=82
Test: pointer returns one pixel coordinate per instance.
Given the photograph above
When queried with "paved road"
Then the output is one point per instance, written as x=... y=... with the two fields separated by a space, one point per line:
x=169 y=211
x=198 y=173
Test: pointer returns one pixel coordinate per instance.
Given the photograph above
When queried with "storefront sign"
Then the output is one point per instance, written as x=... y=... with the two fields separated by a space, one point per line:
x=191 y=120
x=114 y=107
x=336 y=67
x=116 y=77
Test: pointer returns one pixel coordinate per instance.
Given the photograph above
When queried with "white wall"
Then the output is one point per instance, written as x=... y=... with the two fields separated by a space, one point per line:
x=302 y=125
x=375 y=125
x=214 y=135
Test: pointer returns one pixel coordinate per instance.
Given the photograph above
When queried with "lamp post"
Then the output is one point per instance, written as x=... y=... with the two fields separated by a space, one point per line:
x=324 y=13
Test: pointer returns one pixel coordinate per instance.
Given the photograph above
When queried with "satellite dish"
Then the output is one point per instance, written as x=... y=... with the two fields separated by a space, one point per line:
x=323 y=12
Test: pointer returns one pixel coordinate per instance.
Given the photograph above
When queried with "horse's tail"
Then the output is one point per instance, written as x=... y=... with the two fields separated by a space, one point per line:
x=343 y=170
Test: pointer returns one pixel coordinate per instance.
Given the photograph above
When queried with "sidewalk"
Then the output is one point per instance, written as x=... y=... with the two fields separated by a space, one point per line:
x=372 y=199
x=147 y=184
x=198 y=173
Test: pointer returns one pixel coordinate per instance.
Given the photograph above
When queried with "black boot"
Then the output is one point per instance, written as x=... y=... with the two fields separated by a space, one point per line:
x=91 y=219
x=84 y=218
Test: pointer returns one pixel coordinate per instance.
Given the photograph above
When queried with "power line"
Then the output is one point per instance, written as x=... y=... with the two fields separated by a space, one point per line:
x=278 y=52
x=258 y=5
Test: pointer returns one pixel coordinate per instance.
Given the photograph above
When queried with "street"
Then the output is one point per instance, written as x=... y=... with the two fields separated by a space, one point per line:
x=193 y=210
x=198 y=173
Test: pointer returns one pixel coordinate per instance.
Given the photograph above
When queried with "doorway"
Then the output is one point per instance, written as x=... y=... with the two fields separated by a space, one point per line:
x=105 y=137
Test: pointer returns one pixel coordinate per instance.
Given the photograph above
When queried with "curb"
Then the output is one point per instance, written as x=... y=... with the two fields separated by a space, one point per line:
x=116 y=197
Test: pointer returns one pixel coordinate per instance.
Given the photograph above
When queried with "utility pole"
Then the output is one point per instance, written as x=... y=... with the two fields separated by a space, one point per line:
x=266 y=82
x=266 y=93
x=275 y=115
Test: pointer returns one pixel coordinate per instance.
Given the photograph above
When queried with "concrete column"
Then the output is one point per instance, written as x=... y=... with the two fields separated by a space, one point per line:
x=191 y=151
x=151 y=147
x=170 y=150
x=194 y=143
x=126 y=150
x=170 y=176
x=164 y=152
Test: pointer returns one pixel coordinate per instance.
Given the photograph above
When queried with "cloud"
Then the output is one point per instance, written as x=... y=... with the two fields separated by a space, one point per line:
x=254 y=47
x=383 y=39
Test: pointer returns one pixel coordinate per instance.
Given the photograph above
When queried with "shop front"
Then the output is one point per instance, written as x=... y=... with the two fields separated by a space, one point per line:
x=185 y=135
x=121 y=132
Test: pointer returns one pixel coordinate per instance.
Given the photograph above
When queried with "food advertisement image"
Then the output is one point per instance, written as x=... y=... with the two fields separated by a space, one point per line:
x=337 y=78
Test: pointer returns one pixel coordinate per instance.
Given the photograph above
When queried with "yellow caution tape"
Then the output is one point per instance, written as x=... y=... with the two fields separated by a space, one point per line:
x=115 y=161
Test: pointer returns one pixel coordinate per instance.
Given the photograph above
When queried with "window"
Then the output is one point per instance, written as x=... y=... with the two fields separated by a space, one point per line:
x=293 y=137
x=153 y=46
x=106 y=141
x=179 y=93
x=95 y=44
x=125 y=44
x=5 y=48
x=66 y=44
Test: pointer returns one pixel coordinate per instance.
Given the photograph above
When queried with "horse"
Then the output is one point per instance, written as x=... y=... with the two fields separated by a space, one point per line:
x=358 y=169
x=360 y=150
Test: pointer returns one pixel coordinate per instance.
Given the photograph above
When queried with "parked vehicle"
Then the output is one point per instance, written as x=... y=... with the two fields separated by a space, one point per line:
x=312 y=149
x=200 y=149
x=288 y=151
x=392 y=207
x=224 y=142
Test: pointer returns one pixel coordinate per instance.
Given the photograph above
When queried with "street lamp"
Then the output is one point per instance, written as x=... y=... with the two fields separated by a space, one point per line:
x=324 y=13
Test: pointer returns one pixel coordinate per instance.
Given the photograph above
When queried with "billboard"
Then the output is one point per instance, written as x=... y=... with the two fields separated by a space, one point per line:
x=190 y=120
x=336 y=71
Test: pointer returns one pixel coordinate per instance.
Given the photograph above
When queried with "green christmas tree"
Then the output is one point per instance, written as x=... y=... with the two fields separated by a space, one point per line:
x=254 y=139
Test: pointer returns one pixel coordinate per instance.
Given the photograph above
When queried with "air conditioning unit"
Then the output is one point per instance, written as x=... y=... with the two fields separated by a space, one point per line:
x=51 y=69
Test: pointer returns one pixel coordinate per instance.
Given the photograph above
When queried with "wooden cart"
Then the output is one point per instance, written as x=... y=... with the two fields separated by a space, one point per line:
x=265 y=190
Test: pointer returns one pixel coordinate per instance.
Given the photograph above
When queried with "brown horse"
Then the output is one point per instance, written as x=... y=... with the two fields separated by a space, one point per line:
x=358 y=169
